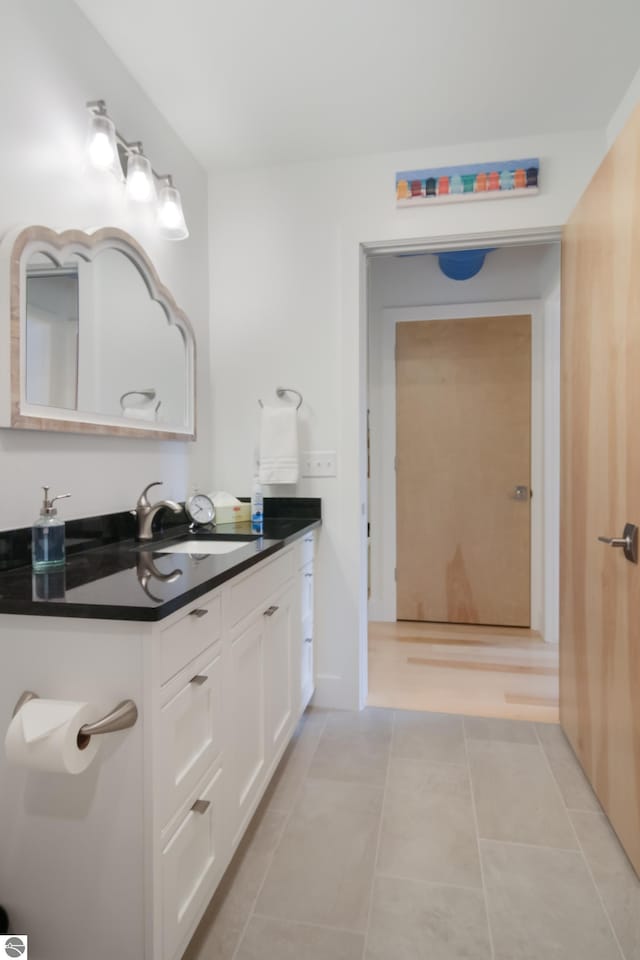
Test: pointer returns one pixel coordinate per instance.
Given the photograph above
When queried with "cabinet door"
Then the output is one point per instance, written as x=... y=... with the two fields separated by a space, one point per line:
x=192 y=864
x=306 y=585
x=279 y=617
x=247 y=732
x=307 y=682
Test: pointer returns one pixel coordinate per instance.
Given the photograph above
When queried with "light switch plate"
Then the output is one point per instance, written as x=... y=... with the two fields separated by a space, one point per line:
x=319 y=463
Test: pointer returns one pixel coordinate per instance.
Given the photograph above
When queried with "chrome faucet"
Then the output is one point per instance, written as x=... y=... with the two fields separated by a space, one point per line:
x=145 y=512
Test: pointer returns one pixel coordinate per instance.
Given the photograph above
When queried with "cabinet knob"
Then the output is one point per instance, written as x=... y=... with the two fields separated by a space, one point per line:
x=269 y=612
x=308 y=574
x=201 y=806
x=199 y=612
x=308 y=639
x=199 y=679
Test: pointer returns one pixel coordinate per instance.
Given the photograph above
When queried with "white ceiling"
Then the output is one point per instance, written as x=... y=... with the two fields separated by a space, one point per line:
x=249 y=82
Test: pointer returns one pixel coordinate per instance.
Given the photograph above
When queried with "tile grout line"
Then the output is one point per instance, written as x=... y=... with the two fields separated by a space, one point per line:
x=492 y=948
x=580 y=848
x=305 y=776
x=365 y=943
x=429 y=883
x=308 y=923
x=251 y=911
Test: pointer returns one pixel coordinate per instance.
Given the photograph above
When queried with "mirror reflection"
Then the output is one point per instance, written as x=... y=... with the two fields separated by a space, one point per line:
x=97 y=343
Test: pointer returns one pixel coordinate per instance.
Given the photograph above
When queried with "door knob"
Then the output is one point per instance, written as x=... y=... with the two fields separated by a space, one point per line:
x=628 y=541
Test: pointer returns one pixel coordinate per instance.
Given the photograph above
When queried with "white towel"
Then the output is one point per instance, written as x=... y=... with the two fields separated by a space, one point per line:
x=141 y=413
x=279 y=461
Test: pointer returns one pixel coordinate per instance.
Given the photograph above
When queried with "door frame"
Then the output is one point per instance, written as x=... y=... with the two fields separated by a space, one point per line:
x=355 y=253
x=384 y=429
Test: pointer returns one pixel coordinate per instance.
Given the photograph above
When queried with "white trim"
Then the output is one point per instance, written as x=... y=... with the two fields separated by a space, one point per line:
x=353 y=254
x=383 y=522
x=458 y=241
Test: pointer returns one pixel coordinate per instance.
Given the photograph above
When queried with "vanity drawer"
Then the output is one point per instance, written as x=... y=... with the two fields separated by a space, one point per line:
x=251 y=590
x=192 y=864
x=190 y=732
x=183 y=639
x=306 y=548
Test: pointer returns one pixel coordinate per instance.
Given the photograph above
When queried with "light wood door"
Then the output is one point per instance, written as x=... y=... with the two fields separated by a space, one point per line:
x=599 y=588
x=463 y=446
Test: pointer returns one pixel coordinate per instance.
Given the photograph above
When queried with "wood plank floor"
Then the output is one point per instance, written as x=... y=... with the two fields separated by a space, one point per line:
x=477 y=671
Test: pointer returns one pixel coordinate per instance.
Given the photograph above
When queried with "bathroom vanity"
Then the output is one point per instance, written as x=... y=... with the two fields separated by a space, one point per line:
x=217 y=652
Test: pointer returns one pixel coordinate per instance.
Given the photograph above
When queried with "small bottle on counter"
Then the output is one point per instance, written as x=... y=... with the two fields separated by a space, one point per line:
x=47 y=536
x=257 y=507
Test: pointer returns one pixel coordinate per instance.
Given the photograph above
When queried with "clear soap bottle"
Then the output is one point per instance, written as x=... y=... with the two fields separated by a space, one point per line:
x=257 y=507
x=47 y=537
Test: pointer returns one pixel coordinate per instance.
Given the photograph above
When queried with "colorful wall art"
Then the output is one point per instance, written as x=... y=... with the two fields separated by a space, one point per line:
x=471 y=181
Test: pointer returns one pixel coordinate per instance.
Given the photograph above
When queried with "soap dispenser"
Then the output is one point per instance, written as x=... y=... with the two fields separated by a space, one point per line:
x=47 y=540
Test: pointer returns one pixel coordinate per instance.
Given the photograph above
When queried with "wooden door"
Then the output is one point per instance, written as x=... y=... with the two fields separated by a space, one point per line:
x=599 y=588
x=463 y=445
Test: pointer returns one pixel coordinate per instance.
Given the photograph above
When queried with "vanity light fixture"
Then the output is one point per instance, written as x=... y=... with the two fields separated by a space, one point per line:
x=109 y=151
x=140 y=185
x=102 y=146
x=170 y=213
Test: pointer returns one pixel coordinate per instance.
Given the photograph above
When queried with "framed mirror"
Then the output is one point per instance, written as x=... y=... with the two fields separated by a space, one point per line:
x=97 y=343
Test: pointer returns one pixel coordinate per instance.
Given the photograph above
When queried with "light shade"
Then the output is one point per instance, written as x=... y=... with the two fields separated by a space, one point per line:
x=102 y=148
x=170 y=214
x=463 y=264
x=140 y=183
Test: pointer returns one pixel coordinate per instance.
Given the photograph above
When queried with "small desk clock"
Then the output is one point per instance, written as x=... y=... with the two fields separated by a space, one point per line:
x=200 y=510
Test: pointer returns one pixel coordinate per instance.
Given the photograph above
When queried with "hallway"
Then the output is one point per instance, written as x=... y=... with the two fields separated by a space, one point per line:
x=455 y=668
x=391 y=835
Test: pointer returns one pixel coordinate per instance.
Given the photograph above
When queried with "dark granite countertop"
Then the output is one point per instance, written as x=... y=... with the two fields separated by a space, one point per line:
x=126 y=580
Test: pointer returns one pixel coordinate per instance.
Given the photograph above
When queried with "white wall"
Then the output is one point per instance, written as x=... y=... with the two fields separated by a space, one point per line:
x=625 y=108
x=287 y=283
x=53 y=61
x=513 y=280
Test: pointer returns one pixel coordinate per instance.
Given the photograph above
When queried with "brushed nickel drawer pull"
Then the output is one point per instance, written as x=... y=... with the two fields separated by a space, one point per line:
x=199 y=679
x=269 y=612
x=199 y=612
x=201 y=806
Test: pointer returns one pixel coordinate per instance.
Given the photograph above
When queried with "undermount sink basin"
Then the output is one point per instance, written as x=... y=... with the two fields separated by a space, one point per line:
x=204 y=546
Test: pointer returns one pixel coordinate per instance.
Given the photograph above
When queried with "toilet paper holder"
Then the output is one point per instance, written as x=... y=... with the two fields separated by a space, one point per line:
x=123 y=716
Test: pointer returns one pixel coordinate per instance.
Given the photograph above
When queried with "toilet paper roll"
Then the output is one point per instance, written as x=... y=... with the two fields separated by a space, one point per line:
x=43 y=735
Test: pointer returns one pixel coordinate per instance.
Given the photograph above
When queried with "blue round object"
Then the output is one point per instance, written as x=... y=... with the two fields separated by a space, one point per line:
x=463 y=264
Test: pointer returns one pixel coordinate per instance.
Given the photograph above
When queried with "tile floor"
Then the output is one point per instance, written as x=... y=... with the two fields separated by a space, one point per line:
x=392 y=835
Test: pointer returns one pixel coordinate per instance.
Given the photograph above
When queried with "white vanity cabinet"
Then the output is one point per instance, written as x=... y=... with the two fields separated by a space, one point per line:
x=305 y=556
x=225 y=720
x=265 y=706
x=220 y=685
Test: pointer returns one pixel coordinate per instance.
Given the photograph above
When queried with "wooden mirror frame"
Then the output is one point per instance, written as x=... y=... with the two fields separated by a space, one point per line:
x=15 y=252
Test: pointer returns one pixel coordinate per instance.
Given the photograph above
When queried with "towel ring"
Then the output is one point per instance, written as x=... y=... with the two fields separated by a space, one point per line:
x=280 y=393
x=147 y=395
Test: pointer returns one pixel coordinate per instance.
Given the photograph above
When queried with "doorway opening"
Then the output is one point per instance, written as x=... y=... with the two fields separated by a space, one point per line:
x=463 y=454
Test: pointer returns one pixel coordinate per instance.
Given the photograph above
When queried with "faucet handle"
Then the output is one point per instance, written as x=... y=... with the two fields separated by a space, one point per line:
x=143 y=499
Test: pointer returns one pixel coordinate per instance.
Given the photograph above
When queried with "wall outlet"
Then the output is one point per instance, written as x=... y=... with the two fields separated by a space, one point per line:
x=319 y=463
